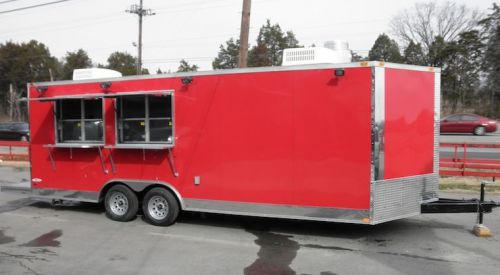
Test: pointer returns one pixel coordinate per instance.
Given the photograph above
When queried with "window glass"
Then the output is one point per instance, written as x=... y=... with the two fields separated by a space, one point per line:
x=453 y=118
x=133 y=106
x=20 y=126
x=93 y=109
x=93 y=131
x=134 y=130
x=71 y=131
x=159 y=106
x=469 y=118
x=79 y=120
x=71 y=108
x=145 y=118
x=160 y=130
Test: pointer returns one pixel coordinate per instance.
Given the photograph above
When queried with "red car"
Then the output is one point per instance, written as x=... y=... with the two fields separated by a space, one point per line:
x=468 y=123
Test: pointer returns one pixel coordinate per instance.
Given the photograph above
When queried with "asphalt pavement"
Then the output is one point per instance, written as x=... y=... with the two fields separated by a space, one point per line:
x=77 y=238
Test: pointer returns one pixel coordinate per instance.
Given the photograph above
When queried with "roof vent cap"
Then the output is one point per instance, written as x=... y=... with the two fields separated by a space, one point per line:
x=94 y=73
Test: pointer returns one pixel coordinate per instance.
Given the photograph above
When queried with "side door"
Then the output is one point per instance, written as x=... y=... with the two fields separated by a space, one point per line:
x=451 y=124
x=469 y=122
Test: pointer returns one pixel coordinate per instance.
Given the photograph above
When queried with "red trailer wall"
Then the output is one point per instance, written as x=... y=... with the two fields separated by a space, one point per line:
x=409 y=125
x=290 y=137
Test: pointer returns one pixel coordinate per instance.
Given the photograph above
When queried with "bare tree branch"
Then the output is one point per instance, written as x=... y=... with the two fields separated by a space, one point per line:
x=425 y=21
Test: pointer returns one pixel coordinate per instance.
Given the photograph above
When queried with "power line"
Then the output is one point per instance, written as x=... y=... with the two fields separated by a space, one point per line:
x=8 y=1
x=33 y=6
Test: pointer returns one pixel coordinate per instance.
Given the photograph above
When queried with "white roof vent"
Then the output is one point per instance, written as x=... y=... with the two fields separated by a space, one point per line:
x=94 y=73
x=334 y=52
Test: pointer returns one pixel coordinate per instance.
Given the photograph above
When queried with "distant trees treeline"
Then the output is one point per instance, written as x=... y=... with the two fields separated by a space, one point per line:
x=461 y=41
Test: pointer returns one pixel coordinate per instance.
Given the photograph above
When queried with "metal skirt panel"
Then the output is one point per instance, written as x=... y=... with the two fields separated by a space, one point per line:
x=399 y=198
x=279 y=211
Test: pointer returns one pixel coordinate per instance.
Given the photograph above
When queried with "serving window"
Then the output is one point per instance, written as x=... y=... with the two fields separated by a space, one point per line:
x=79 y=120
x=145 y=119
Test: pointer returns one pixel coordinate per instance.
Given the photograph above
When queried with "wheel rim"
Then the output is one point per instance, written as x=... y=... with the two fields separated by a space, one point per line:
x=479 y=130
x=118 y=203
x=158 y=207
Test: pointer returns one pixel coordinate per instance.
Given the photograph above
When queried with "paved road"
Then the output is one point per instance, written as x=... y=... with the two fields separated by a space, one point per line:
x=481 y=153
x=36 y=238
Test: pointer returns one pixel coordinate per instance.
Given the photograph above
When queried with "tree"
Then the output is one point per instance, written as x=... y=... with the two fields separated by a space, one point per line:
x=75 y=60
x=425 y=21
x=460 y=62
x=356 y=57
x=271 y=42
x=490 y=32
x=23 y=63
x=185 y=67
x=414 y=55
x=227 y=58
x=123 y=62
x=385 y=49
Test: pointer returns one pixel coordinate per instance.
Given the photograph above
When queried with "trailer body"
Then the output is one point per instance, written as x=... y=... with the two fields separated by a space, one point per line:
x=354 y=142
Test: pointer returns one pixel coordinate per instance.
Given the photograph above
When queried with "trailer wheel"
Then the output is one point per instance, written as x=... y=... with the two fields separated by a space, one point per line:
x=160 y=207
x=121 y=203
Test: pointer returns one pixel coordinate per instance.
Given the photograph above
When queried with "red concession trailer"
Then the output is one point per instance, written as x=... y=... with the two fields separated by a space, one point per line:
x=355 y=142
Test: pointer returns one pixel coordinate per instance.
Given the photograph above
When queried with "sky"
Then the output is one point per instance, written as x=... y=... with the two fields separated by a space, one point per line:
x=194 y=29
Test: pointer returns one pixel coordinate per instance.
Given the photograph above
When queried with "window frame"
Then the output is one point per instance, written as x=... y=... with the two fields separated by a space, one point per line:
x=147 y=142
x=58 y=122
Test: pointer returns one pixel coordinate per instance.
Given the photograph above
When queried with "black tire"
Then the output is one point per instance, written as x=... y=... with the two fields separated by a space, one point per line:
x=160 y=207
x=121 y=203
x=479 y=131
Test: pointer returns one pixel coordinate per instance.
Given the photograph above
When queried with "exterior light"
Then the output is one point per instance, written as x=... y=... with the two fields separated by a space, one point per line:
x=187 y=80
x=339 y=72
x=105 y=85
x=42 y=89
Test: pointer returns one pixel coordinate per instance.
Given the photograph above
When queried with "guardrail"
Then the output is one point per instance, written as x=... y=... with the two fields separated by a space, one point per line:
x=461 y=164
x=8 y=150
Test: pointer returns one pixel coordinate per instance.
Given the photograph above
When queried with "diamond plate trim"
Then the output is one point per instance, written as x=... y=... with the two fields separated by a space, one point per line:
x=437 y=118
x=398 y=198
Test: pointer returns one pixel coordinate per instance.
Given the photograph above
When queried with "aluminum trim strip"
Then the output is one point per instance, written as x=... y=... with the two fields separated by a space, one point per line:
x=408 y=67
x=437 y=119
x=249 y=70
x=54 y=98
x=278 y=211
x=102 y=95
x=378 y=123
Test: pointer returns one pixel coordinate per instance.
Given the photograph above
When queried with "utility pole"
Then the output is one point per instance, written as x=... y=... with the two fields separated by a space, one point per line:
x=245 y=27
x=140 y=11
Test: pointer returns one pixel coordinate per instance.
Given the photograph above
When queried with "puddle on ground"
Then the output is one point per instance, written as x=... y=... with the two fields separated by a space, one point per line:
x=5 y=239
x=275 y=255
x=47 y=239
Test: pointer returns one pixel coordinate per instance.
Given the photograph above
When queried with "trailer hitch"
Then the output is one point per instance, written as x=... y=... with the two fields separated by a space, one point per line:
x=478 y=206
x=444 y=205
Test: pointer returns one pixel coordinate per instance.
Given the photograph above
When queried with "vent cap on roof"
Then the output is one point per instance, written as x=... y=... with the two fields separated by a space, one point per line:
x=336 y=51
x=94 y=73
